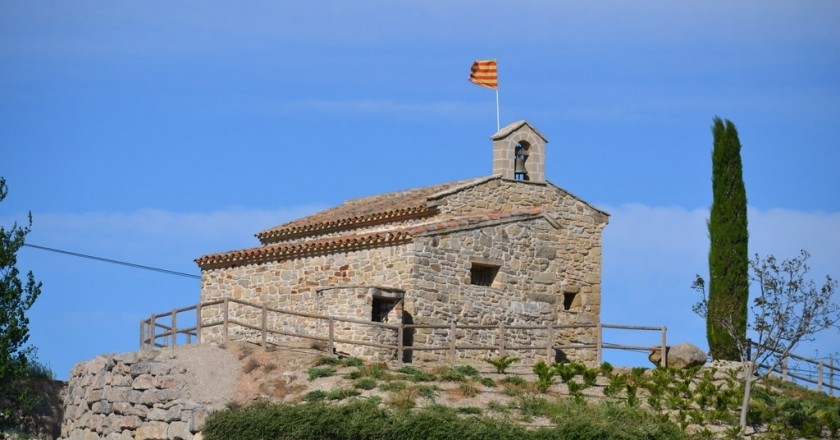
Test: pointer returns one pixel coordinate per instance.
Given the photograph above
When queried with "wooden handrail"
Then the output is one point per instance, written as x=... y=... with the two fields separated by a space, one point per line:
x=150 y=333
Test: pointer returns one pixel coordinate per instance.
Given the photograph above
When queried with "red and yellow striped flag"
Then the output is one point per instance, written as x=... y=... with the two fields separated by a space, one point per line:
x=484 y=74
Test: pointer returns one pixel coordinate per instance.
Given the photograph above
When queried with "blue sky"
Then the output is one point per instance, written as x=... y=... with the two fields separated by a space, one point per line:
x=156 y=132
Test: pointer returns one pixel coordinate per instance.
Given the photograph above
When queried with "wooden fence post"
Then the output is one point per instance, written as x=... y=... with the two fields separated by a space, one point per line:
x=400 y=333
x=599 y=330
x=153 y=331
x=331 y=343
x=664 y=361
x=452 y=343
x=264 y=326
x=785 y=369
x=549 y=347
x=174 y=328
x=142 y=332
x=198 y=323
x=820 y=376
x=501 y=338
x=225 y=321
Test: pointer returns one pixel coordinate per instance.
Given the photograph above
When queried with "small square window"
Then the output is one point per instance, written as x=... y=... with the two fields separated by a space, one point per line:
x=483 y=275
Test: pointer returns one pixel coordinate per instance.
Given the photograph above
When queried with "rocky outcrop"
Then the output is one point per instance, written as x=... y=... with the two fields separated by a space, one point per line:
x=680 y=356
x=150 y=395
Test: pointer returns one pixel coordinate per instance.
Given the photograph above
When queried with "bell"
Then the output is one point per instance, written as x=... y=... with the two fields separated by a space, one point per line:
x=519 y=165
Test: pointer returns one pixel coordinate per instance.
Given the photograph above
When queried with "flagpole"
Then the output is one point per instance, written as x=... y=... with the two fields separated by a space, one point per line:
x=498 y=127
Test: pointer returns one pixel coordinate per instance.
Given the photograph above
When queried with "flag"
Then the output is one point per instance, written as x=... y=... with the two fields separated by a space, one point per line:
x=484 y=74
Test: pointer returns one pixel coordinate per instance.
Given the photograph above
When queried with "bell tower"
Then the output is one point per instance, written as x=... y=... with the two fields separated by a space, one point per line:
x=519 y=153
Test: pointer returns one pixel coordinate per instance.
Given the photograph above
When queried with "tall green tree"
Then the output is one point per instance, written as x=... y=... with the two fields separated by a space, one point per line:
x=728 y=257
x=16 y=297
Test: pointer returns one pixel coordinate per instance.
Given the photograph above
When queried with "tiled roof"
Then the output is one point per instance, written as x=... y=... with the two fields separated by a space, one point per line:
x=351 y=242
x=287 y=251
x=366 y=211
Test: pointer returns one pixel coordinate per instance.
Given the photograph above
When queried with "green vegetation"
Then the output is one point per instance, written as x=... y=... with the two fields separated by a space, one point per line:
x=502 y=363
x=726 y=323
x=316 y=372
x=364 y=419
x=16 y=297
x=639 y=403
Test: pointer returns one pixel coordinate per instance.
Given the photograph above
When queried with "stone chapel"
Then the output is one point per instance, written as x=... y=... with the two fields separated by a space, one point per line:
x=509 y=248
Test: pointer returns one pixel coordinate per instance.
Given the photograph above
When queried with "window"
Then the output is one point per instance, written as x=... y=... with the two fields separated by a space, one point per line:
x=483 y=275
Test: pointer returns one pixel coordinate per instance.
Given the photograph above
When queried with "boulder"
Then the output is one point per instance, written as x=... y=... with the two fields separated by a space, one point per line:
x=682 y=356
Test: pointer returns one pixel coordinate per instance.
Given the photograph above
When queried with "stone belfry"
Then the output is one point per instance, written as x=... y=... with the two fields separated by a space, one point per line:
x=523 y=143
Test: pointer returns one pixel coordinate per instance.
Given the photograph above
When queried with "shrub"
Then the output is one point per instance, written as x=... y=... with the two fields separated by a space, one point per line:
x=365 y=383
x=467 y=370
x=502 y=362
x=486 y=381
x=590 y=376
x=545 y=376
x=392 y=386
x=606 y=369
x=515 y=381
x=316 y=372
x=341 y=394
x=352 y=362
x=471 y=410
x=327 y=360
x=416 y=375
x=468 y=389
x=428 y=391
x=314 y=396
x=404 y=399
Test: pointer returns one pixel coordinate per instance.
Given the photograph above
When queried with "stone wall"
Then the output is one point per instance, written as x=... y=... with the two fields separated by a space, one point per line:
x=530 y=289
x=133 y=396
x=549 y=271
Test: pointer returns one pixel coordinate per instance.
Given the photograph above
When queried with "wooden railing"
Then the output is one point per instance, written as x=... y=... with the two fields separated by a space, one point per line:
x=162 y=330
x=819 y=374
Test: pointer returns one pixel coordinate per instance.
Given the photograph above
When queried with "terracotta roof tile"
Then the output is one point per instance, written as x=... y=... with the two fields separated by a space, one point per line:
x=350 y=242
x=287 y=251
x=366 y=211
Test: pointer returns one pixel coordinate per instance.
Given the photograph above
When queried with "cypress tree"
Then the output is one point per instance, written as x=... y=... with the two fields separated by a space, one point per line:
x=726 y=322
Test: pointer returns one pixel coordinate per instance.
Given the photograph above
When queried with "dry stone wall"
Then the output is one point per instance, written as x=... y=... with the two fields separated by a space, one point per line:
x=150 y=395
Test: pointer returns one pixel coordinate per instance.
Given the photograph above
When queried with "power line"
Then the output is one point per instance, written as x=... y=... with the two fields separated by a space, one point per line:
x=108 y=260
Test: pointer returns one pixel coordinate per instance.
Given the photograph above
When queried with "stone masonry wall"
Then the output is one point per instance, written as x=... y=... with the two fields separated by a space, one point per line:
x=133 y=396
x=530 y=288
x=306 y=285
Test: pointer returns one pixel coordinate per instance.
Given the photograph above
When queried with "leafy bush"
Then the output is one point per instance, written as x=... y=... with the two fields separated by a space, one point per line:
x=416 y=375
x=316 y=372
x=486 y=381
x=467 y=370
x=365 y=383
x=352 y=362
x=327 y=360
x=518 y=381
x=545 y=376
x=502 y=362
